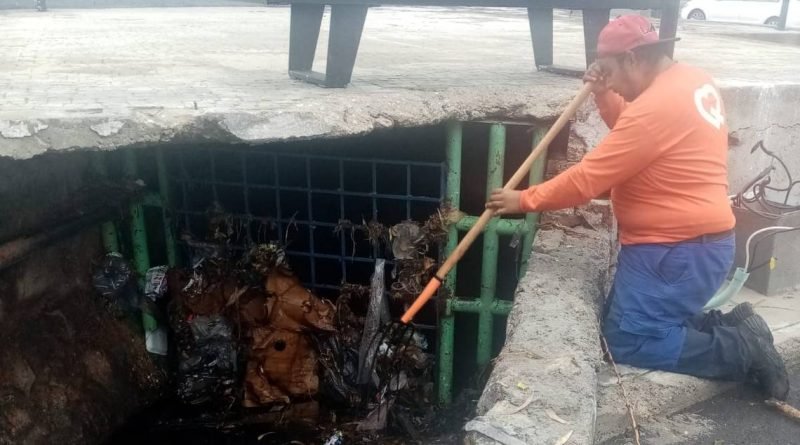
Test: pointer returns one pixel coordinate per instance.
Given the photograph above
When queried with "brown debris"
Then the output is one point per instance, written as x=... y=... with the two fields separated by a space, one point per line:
x=297 y=346
x=784 y=408
x=274 y=314
x=628 y=404
x=375 y=232
x=253 y=309
x=292 y=307
x=406 y=240
x=411 y=276
x=211 y=299
x=282 y=364
x=264 y=258
x=436 y=227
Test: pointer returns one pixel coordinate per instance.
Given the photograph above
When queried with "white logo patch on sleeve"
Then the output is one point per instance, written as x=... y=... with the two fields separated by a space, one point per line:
x=709 y=105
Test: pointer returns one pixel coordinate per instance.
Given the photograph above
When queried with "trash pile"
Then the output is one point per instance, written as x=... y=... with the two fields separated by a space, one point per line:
x=114 y=280
x=247 y=335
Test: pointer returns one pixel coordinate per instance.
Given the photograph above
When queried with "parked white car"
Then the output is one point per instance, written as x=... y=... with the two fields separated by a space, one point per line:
x=765 y=12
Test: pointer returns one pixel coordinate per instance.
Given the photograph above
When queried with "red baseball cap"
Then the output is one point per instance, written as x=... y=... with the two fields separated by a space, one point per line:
x=626 y=33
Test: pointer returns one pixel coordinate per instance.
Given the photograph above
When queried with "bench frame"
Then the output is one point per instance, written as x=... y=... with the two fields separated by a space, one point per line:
x=348 y=17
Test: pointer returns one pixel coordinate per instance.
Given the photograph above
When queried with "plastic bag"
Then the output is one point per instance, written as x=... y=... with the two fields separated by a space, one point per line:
x=113 y=279
x=155 y=282
x=377 y=315
x=212 y=327
x=207 y=371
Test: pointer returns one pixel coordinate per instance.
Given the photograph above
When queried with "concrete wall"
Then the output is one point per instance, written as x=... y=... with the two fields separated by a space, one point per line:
x=69 y=371
x=769 y=113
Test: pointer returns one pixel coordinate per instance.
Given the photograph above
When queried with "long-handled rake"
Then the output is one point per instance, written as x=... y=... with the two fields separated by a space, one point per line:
x=487 y=214
x=400 y=334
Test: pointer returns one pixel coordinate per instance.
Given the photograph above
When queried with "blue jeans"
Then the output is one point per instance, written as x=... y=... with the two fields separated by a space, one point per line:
x=654 y=312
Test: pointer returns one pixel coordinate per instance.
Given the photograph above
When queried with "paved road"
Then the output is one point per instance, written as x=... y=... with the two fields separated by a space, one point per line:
x=738 y=417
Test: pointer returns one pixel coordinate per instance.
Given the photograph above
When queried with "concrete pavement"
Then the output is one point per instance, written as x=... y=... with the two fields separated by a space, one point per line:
x=656 y=394
x=736 y=417
x=119 y=77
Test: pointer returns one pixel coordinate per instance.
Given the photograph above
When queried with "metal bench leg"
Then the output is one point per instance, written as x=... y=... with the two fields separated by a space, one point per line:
x=347 y=23
x=670 y=13
x=304 y=28
x=593 y=22
x=541 y=24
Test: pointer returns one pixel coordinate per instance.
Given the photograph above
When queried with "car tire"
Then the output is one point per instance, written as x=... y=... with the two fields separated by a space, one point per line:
x=696 y=14
x=773 y=21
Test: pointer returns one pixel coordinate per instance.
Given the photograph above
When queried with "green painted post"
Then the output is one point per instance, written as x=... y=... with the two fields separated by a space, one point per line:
x=532 y=219
x=491 y=245
x=447 y=320
x=141 y=256
x=502 y=226
x=497 y=307
x=108 y=229
x=110 y=239
x=166 y=202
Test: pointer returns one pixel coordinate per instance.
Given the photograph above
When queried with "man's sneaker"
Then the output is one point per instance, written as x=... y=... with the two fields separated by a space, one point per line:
x=766 y=364
x=737 y=315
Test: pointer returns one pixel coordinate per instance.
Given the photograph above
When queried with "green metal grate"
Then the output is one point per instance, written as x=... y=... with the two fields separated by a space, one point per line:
x=485 y=304
x=309 y=195
x=179 y=182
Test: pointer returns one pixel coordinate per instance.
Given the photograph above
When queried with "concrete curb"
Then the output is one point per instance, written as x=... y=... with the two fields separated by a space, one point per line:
x=544 y=382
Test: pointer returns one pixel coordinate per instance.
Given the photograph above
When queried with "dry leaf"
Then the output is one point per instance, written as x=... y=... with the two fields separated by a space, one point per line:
x=521 y=407
x=552 y=414
x=235 y=296
x=564 y=439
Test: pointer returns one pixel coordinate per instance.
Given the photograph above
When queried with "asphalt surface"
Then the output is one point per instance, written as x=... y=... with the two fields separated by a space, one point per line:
x=738 y=417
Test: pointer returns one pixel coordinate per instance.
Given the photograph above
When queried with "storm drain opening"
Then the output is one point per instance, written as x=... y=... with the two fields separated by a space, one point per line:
x=282 y=271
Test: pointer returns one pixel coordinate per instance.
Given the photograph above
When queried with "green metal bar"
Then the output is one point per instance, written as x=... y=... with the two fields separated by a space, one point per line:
x=141 y=256
x=446 y=340
x=501 y=226
x=447 y=320
x=497 y=307
x=108 y=229
x=110 y=238
x=491 y=245
x=532 y=219
x=166 y=200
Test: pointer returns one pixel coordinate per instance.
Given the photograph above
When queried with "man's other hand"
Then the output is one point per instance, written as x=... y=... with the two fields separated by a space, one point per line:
x=504 y=202
x=595 y=75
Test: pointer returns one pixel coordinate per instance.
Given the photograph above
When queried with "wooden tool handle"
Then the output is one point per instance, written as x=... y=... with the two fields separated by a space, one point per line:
x=487 y=214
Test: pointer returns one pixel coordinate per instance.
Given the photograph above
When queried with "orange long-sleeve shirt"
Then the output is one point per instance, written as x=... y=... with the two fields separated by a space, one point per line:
x=664 y=162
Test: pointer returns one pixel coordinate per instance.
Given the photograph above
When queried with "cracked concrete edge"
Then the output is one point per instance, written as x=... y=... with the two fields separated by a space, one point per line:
x=355 y=113
x=549 y=361
x=660 y=394
x=768 y=107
